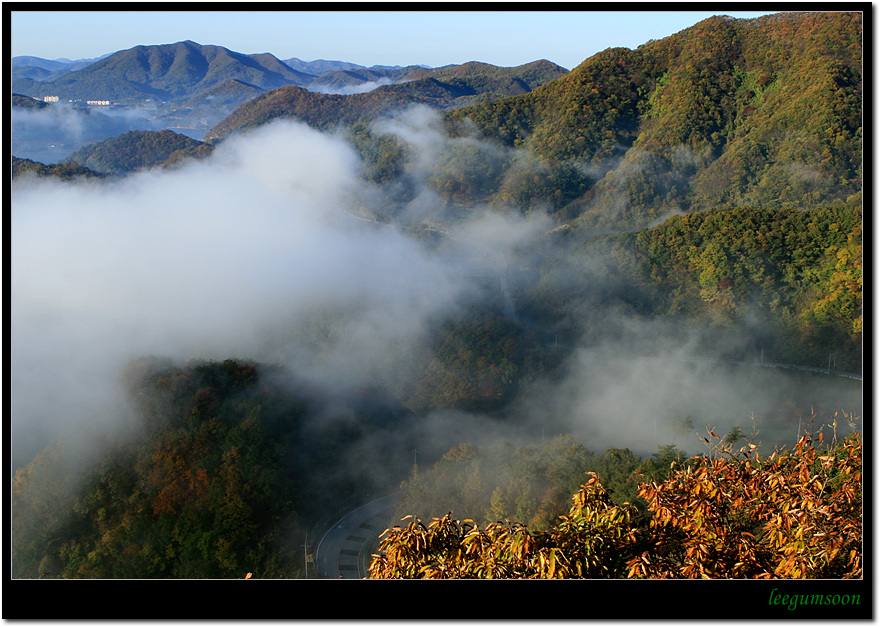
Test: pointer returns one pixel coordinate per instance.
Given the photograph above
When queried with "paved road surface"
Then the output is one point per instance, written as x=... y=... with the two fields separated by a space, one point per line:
x=342 y=550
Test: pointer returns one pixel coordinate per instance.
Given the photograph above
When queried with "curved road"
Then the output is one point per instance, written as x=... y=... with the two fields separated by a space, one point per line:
x=766 y=364
x=342 y=550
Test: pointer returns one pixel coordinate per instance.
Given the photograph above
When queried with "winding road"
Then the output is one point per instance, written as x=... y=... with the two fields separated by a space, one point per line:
x=342 y=552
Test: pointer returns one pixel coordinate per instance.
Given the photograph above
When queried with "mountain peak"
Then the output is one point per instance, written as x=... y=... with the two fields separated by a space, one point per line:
x=164 y=72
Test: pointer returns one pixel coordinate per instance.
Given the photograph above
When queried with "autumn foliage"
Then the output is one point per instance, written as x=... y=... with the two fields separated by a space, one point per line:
x=794 y=514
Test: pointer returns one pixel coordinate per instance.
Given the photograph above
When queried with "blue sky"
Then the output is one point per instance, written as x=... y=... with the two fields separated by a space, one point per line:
x=434 y=38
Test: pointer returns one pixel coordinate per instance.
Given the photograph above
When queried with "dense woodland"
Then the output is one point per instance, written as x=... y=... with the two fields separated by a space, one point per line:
x=763 y=112
x=137 y=150
x=215 y=478
x=530 y=484
x=709 y=182
x=789 y=279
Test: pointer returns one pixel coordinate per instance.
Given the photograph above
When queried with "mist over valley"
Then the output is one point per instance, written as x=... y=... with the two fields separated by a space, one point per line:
x=332 y=283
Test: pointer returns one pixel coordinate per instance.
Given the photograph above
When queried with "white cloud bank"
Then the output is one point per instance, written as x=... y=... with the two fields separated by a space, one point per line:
x=222 y=258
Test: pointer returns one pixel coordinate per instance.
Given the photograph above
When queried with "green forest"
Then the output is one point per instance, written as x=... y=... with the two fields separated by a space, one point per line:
x=726 y=113
x=137 y=150
x=790 y=279
x=699 y=195
x=216 y=480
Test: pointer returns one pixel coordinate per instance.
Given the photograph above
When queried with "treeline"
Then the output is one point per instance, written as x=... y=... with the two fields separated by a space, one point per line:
x=530 y=484
x=184 y=498
x=67 y=171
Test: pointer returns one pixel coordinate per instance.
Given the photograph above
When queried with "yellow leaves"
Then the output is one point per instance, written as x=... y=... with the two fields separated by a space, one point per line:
x=781 y=494
x=547 y=563
x=717 y=518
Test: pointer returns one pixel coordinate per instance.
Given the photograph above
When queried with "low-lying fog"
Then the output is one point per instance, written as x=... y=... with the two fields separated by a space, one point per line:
x=228 y=257
x=51 y=134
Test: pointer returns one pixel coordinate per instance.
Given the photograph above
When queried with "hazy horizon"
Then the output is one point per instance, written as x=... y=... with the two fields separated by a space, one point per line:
x=433 y=38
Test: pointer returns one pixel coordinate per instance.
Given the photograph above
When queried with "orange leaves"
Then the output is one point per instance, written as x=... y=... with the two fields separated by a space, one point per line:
x=586 y=543
x=742 y=518
x=794 y=514
x=186 y=489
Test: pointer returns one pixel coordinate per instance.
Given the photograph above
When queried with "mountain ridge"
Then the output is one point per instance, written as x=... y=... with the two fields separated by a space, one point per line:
x=185 y=70
x=165 y=72
x=679 y=123
x=450 y=86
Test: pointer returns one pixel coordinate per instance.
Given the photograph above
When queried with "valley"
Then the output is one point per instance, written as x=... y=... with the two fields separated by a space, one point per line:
x=251 y=295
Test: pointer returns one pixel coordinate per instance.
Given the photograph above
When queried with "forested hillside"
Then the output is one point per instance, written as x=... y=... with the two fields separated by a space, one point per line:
x=228 y=468
x=137 y=150
x=450 y=86
x=725 y=113
x=64 y=171
x=222 y=472
x=323 y=111
x=786 y=283
x=229 y=92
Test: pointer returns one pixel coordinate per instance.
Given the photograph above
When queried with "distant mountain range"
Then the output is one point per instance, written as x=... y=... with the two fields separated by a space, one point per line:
x=323 y=66
x=167 y=73
x=190 y=87
x=441 y=88
x=321 y=73
x=726 y=113
x=40 y=69
x=53 y=64
x=161 y=73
